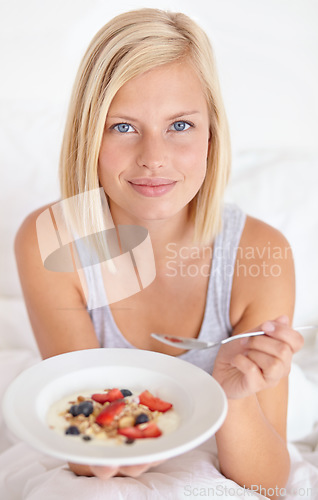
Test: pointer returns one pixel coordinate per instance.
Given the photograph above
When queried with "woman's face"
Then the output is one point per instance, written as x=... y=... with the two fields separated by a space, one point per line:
x=153 y=155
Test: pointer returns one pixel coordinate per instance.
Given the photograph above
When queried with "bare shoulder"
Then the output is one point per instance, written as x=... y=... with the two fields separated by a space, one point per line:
x=26 y=234
x=265 y=246
x=36 y=280
x=54 y=299
x=26 y=246
x=35 y=241
x=258 y=232
x=264 y=280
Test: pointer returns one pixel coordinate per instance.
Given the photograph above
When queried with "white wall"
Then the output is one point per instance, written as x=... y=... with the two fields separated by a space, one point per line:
x=266 y=52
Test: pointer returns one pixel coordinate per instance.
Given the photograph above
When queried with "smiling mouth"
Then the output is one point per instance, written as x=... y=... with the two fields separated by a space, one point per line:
x=152 y=181
x=152 y=187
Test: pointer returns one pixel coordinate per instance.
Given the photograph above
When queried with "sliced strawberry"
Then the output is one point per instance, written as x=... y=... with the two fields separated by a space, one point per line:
x=153 y=403
x=151 y=431
x=100 y=398
x=109 y=396
x=110 y=411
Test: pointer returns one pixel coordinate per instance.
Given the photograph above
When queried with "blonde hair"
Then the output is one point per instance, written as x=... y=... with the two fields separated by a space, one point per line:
x=127 y=46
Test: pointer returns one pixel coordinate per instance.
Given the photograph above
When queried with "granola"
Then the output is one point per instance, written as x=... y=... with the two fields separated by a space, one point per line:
x=113 y=416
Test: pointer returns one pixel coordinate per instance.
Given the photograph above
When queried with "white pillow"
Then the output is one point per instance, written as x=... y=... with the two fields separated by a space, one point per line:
x=280 y=187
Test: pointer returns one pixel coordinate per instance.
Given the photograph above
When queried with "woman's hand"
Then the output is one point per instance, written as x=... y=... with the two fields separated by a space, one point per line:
x=106 y=472
x=250 y=365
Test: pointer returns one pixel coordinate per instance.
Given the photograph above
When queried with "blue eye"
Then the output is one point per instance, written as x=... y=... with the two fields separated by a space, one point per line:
x=180 y=126
x=123 y=127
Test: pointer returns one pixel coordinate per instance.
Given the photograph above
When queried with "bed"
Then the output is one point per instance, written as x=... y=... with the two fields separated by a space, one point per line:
x=267 y=57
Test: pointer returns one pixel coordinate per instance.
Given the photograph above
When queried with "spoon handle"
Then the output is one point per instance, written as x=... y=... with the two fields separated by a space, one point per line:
x=242 y=336
x=254 y=334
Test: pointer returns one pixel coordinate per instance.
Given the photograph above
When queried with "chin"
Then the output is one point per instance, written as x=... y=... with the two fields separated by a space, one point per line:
x=158 y=214
x=148 y=216
x=137 y=213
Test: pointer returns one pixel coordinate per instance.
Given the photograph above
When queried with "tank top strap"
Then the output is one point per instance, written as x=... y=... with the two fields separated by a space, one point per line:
x=225 y=251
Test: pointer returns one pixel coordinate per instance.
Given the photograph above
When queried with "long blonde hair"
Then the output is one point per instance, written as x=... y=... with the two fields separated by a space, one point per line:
x=127 y=46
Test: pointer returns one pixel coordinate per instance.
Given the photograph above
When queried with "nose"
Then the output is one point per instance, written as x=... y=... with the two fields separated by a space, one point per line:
x=151 y=153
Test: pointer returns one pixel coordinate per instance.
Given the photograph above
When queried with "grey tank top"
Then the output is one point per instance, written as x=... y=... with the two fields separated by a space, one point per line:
x=216 y=324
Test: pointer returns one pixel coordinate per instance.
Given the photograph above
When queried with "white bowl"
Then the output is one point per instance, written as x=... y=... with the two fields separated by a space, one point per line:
x=196 y=397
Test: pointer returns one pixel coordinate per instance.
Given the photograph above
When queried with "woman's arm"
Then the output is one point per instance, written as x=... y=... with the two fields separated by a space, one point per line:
x=252 y=442
x=58 y=315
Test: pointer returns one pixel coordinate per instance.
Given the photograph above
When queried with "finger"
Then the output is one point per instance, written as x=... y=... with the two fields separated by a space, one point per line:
x=270 y=346
x=154 y=464
x=273 y=369
x=103 y=472
x=137 y=470
x=286 y=334
x=134 y=470
x=284 y=319
x=81 y=470
x=254 y=379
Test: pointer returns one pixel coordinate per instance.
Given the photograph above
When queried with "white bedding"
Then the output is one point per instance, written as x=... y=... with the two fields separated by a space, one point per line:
x=267 y=56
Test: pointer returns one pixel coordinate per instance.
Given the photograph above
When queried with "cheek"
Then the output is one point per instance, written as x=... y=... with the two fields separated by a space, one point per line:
x=195 y=160
x=109 y=161
x=106 y=155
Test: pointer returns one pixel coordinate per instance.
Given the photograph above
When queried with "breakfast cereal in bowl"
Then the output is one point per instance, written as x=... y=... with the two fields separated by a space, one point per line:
x=113 y=416
x=114 y=406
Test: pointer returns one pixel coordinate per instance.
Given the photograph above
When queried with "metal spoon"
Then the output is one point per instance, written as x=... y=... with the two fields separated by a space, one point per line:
x=185 y=343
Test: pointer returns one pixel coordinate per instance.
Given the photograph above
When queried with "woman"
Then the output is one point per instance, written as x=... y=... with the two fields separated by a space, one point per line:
x=147 y=124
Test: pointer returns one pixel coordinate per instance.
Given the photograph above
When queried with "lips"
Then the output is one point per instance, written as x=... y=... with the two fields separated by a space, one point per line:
x=152 y=181
x=152 y=186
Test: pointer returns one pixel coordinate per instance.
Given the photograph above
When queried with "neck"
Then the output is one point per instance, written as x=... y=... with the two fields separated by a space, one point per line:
x=177 y=229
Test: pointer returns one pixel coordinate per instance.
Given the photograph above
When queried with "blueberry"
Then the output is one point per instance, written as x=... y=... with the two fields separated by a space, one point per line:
x=141 y=419
x=129 y=441
x=87 y=438
x=74 y=410
x=126 y=392
x=73 y=430
x=86 y=408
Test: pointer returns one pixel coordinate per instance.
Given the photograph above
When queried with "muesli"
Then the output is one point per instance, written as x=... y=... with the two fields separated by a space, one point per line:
x=113 y=416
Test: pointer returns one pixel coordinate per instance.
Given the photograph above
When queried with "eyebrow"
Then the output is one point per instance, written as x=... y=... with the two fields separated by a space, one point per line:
x=174 y=117
x=183 y=113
